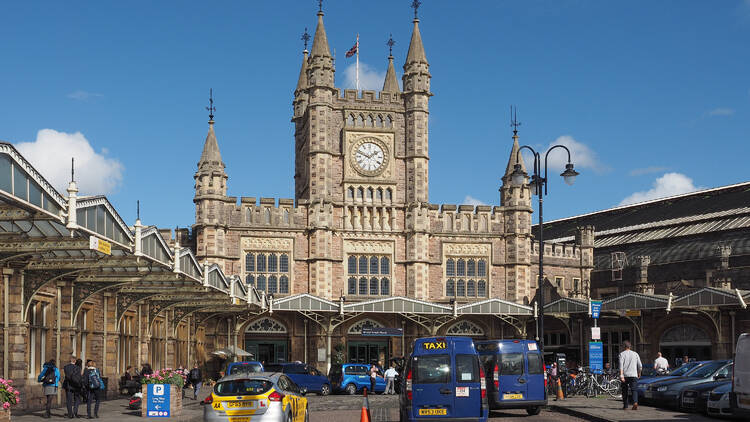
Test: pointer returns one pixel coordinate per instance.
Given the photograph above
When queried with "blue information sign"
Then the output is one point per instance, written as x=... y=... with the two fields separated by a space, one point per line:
x=158 y=401
x=596 y=307
x=596 y=357
x=382 y=331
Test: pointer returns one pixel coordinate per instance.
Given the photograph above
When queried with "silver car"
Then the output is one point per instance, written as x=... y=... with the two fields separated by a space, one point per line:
x=256 y=397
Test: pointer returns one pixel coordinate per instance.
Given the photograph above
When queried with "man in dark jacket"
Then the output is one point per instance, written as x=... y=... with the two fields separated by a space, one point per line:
x=72 y=386
x=196 y=378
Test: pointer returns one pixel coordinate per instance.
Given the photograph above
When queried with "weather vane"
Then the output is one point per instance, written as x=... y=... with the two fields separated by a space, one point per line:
x=390 y=44
x=211 y=109
x=514 y=119
x=415 y=5
x=320 y=6
x=305 y=38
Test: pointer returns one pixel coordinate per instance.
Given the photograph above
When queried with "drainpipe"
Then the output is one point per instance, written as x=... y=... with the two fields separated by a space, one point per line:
x=733 y=314
x=305 y=321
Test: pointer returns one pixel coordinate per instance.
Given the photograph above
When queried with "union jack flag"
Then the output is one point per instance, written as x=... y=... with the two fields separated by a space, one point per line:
x=352 y=51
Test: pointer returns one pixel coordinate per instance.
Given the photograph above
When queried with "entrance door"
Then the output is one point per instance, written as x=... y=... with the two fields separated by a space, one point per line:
x=267 y=351
x=685 y=340
x=368 y=352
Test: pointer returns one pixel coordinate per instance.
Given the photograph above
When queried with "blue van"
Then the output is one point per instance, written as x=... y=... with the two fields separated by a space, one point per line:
x=305 y=376
x=515 y=374
x=443 y=381
x=353 y=377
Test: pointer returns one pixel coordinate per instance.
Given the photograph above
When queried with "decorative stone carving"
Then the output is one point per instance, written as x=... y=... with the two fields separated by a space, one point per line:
x=356 y=329
x=465 y=328
x=266 y=326
x=467 y=249
x=368 y=247
x=276 y=244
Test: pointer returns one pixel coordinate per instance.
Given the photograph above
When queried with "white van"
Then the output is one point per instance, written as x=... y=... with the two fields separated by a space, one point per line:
x=739 y=397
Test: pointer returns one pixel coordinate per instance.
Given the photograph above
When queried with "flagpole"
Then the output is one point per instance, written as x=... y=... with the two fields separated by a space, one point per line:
x=357 y=62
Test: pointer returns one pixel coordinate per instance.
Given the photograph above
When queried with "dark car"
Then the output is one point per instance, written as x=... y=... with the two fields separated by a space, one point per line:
x=305 y=376
x=667 y=393
x=677 y=372
x=695 y=397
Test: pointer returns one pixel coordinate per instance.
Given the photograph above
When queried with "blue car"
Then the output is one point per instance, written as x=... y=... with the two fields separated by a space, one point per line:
x=247 y=367
x=643 y=384
x=305 y=376
x=515 y=374
x=353 y=377
x=444 y=381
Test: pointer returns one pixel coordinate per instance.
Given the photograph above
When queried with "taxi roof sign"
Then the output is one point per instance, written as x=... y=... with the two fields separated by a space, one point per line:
x=435 y=345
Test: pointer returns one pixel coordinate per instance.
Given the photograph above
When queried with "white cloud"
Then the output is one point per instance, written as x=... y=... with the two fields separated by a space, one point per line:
x=369 y=78
x=669 y=184
x=647 y=170
x=51 y=152
x=81 y=95
x=721 y=111
x=580 y=155
x=470 y=200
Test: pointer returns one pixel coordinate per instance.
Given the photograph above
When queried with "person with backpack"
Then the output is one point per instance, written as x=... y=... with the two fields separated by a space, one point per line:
x=196 y=378
x=49 y=377
x=73 y=386
x=94 y=385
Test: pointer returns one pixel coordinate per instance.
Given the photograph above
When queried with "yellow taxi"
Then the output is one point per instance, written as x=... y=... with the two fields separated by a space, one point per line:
x=257 y=397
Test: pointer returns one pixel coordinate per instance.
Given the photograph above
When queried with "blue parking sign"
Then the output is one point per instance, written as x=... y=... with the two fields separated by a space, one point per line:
x=596 y=357
x=157 y=405
x=596 y=307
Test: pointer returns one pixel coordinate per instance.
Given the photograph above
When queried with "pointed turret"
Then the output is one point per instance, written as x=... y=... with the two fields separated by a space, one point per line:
x=211 y=156
x=391 y=83
x=515 y=158
x=416 y=49
x=320 y=41
x=210 y=179
x=302 y=80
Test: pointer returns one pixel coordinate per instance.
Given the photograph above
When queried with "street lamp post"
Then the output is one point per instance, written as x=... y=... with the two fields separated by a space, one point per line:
x=538 y=186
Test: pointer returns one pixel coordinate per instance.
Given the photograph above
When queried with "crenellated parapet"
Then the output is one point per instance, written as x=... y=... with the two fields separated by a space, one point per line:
x=351 y=98
x=557 y=250
x=450 y=218
x=269 y=213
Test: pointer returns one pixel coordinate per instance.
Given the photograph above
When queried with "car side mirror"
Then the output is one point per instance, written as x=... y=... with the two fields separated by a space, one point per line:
x=720 y=376
x=303 y=390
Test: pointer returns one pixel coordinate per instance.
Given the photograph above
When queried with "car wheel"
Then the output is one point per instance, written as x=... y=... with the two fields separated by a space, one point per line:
x=351 y=389
x=533 y=410
x=325 y=390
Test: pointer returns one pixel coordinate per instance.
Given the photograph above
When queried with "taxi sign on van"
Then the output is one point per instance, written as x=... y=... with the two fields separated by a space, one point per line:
x=434 y=345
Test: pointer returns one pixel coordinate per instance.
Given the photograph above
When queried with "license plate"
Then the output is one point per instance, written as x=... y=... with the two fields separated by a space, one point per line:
x=512 y=396
x=433 y=412
x=688 y=400
x=239 y=419
x=238 y=404
x=462 y=391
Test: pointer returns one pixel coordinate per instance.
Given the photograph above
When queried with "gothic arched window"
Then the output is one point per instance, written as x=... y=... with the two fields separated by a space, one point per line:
x=249 y=263
x=283 y=284
x=389 y=122
x=461 y=288
x=481 y=268
x=284 y=263
x=374 y=265
x=461 y=267
x=352 y=287
x=267 y=215
x=363 y=265
x=261 y=267
x=450 y=267
x=363 y=285
x=482 y=288
x=385 y=265
x=471 y=289
x=385 y=287
x=352 y=264
x=373 y=286
x=450 y=287
x=250 y=280
x=360 y=121
x=261 y=282
x=350 y=120
x=370 y=121
x=273 y=286
x=379 y=121
x=272 y=263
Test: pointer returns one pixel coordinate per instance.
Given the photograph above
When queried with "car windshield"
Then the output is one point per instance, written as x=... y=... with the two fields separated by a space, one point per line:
x=706 y=370
x=247 y=387
x=245 y=368
x=684 y=369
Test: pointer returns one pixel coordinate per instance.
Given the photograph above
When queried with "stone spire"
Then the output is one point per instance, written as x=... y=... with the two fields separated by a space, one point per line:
x=391 y=83
x=320 y=41
x=515 y=157
x=302 y=81
x=416 y=49
x=211 y=157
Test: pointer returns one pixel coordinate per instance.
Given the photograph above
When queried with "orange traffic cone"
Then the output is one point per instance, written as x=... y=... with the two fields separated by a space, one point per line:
x=364 y=416
x=560 y=395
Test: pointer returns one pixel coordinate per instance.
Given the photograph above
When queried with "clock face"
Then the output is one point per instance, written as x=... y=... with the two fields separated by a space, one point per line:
x=369 y=157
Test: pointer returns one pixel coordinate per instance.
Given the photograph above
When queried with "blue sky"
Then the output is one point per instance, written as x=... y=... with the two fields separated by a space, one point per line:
x=653 y=96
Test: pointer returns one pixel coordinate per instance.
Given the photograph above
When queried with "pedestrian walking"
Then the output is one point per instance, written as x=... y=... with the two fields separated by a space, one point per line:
x=94 y=385
x=390 y=377
x=196 y=378
x=553 y=379
x=373 y=378
x=49 y=377
x=630 y=371
x=661 y=365
x=72 y=387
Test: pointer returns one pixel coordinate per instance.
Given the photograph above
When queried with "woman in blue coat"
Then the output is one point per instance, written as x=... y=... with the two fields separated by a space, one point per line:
x=50 y=378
